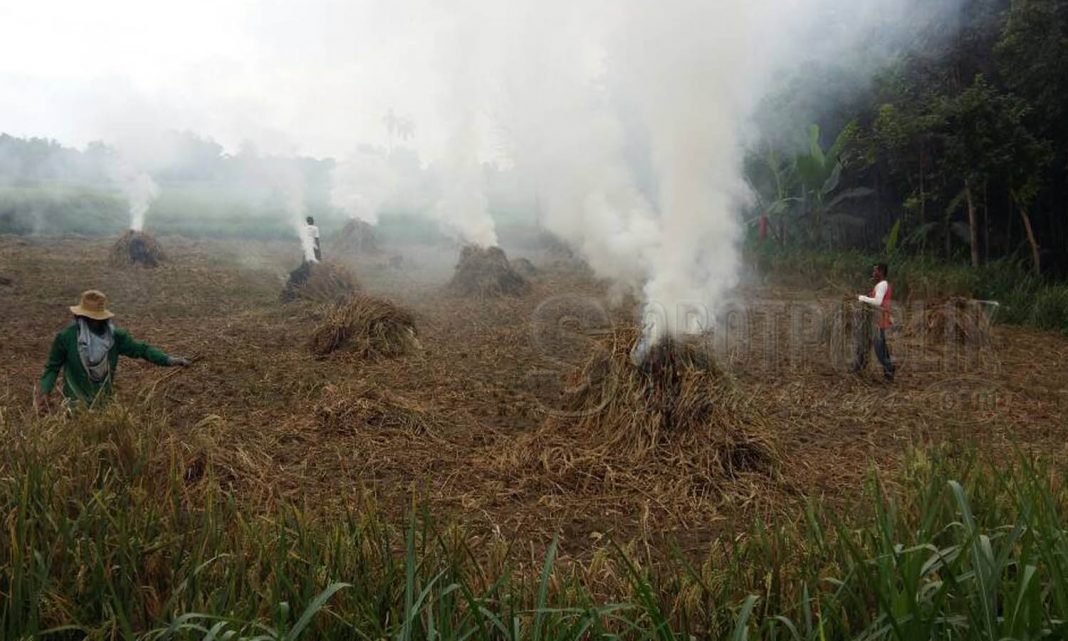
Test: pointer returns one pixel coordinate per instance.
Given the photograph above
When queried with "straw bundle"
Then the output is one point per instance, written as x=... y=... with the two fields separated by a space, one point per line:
x=676 y=419
x=955 y=320
x=524 y=267
x=486 y=273
x=356 y=237
x=846 y=328
x=365 y=327
x=136 y=248
x=320 y=282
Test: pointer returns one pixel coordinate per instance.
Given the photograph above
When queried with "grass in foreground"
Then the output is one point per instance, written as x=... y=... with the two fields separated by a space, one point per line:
x=112 y=533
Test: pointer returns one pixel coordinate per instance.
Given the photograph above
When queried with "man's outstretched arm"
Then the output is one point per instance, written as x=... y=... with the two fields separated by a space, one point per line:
x=136 y=349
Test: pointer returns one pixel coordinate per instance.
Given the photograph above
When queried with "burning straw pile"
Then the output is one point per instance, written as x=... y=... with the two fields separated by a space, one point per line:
x=136 y=248
x=320 y=282
x=674 y=429
x=486 y=273
x=356 y=237
x=365 y=327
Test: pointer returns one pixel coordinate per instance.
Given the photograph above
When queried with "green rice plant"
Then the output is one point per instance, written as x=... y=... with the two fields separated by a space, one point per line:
x=1049 y=308
x=923 y=278
x=215 y=627
x=106 y=539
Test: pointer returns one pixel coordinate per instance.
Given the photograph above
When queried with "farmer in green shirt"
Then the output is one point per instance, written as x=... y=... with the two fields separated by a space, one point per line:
x=88 y=352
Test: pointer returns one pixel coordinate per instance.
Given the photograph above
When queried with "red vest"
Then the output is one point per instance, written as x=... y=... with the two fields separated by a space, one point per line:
x=885 y=322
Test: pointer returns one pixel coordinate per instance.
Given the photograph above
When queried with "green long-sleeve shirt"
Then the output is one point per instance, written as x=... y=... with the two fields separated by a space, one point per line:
x=77 y=385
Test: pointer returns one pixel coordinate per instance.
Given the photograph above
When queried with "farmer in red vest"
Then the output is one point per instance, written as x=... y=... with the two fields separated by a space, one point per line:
x=879 y=298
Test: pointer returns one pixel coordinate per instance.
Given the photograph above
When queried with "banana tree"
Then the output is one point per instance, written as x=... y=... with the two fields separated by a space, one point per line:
x=784 y=174
x=819 y=173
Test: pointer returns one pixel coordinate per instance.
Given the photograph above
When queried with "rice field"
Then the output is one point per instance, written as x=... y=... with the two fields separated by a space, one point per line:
x=505 y=476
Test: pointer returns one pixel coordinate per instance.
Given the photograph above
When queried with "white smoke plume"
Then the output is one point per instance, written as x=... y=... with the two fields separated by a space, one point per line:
x=292 y=186
x=139 y=189
x=569 y=143
x=694 y=98
x=631 y=119
x=462 y=207
x=634 y=150
x=288 y=183
x=362 y=184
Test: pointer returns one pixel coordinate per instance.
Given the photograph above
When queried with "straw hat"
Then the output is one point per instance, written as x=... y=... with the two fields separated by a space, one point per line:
x=94 y=305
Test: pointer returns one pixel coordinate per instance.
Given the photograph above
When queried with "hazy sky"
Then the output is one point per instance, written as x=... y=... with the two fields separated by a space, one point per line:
x=314 y=76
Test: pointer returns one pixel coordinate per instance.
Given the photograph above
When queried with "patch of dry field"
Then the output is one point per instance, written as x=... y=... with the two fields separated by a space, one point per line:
x=455 y=423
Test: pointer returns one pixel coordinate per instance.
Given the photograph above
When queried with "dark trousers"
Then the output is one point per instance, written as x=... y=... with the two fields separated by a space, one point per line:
x=865 y=341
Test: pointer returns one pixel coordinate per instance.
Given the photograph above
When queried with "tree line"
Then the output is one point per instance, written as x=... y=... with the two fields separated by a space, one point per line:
x=958 y=149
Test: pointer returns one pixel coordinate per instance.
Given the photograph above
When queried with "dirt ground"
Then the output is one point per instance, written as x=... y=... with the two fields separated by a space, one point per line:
x=280 y=422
